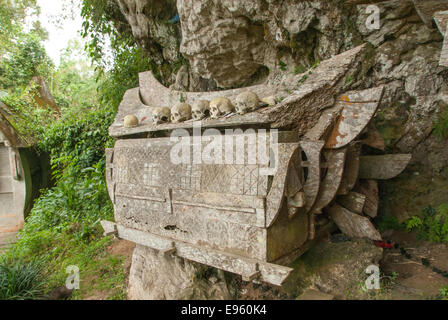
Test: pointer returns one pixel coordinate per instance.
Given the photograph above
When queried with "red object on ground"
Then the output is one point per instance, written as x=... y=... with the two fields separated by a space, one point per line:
x=384 y=244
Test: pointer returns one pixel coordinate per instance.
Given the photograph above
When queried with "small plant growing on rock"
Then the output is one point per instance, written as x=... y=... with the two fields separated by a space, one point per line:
x=283 y=66
x=432 y=226
x=444 y=293
x=441 y=125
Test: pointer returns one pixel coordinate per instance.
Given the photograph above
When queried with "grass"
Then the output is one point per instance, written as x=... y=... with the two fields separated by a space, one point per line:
x=20 y=279
x=100 y=272
x=63 y=230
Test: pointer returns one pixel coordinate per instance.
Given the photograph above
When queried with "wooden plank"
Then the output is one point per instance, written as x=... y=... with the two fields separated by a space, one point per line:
x=145 y=238
x=273 y=273
x=248 y=268
x=444 y=55
x=369 y=188
x=353 y=225
x=359 y=109
x=321 y=233
x=353 y=201
x=351 y=171
x=383 y=167
x=276 y=195
x=332 y=181
x=312 y=150
x=323 y=128
x=110 y=228
x=441 y=19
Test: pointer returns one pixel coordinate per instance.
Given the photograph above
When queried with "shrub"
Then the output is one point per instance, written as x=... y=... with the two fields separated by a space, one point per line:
x=80 y=136
x=78 y=202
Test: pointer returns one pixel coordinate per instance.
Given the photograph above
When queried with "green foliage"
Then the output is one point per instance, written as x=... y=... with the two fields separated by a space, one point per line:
x=441 y=125
x=81 y=136
x=28 y=59
x=74 y=84
x=78 y=200
x=348 y=79
x=413 y=223
x=26 y=117
x=444 y=293
x=12 y=17
x=103 y=21
x=128 y=63
x=99 y=271
x=64 y=225
x=283 y=66
x=432 y=226
x=63 y=228
x=302 y=80
x=20 y=279
x=299 y=69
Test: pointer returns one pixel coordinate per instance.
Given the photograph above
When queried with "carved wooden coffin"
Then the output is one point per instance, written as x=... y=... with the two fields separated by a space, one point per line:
x=212 y=211
x=244 y=193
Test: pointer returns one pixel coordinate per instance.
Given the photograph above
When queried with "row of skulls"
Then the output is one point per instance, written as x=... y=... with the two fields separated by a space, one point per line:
x=245 y=102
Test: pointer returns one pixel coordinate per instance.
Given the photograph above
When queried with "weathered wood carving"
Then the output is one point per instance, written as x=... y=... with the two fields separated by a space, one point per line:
x=241 y=192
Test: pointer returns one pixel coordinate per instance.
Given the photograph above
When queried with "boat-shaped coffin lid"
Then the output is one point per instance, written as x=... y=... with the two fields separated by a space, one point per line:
x=154 y=94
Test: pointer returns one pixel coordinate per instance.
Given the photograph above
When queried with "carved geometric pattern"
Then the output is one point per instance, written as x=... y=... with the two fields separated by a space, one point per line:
x=122 y=174
x=191 y=178
x=237 y=179
x=251 y=180
x=262 y=185
x=151 y=175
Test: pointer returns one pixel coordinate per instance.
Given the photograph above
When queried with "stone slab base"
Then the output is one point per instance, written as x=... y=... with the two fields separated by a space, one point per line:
x=157 y=277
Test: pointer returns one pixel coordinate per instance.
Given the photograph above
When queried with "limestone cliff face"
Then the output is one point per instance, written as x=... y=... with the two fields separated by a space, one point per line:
x=233 y=43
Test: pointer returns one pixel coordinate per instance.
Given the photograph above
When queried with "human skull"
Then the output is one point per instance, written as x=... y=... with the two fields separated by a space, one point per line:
x=220 y=107
x=247 y=102
x=201 y=110
x=130 y=121
x=180 y=112
x=161 y=115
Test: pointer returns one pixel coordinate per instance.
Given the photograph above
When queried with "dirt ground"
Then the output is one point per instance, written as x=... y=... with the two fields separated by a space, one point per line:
x=411 y=279
x=415 y=277
x=117 y=248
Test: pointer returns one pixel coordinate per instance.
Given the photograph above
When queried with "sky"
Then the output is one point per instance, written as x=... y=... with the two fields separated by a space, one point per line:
x=63 y=23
